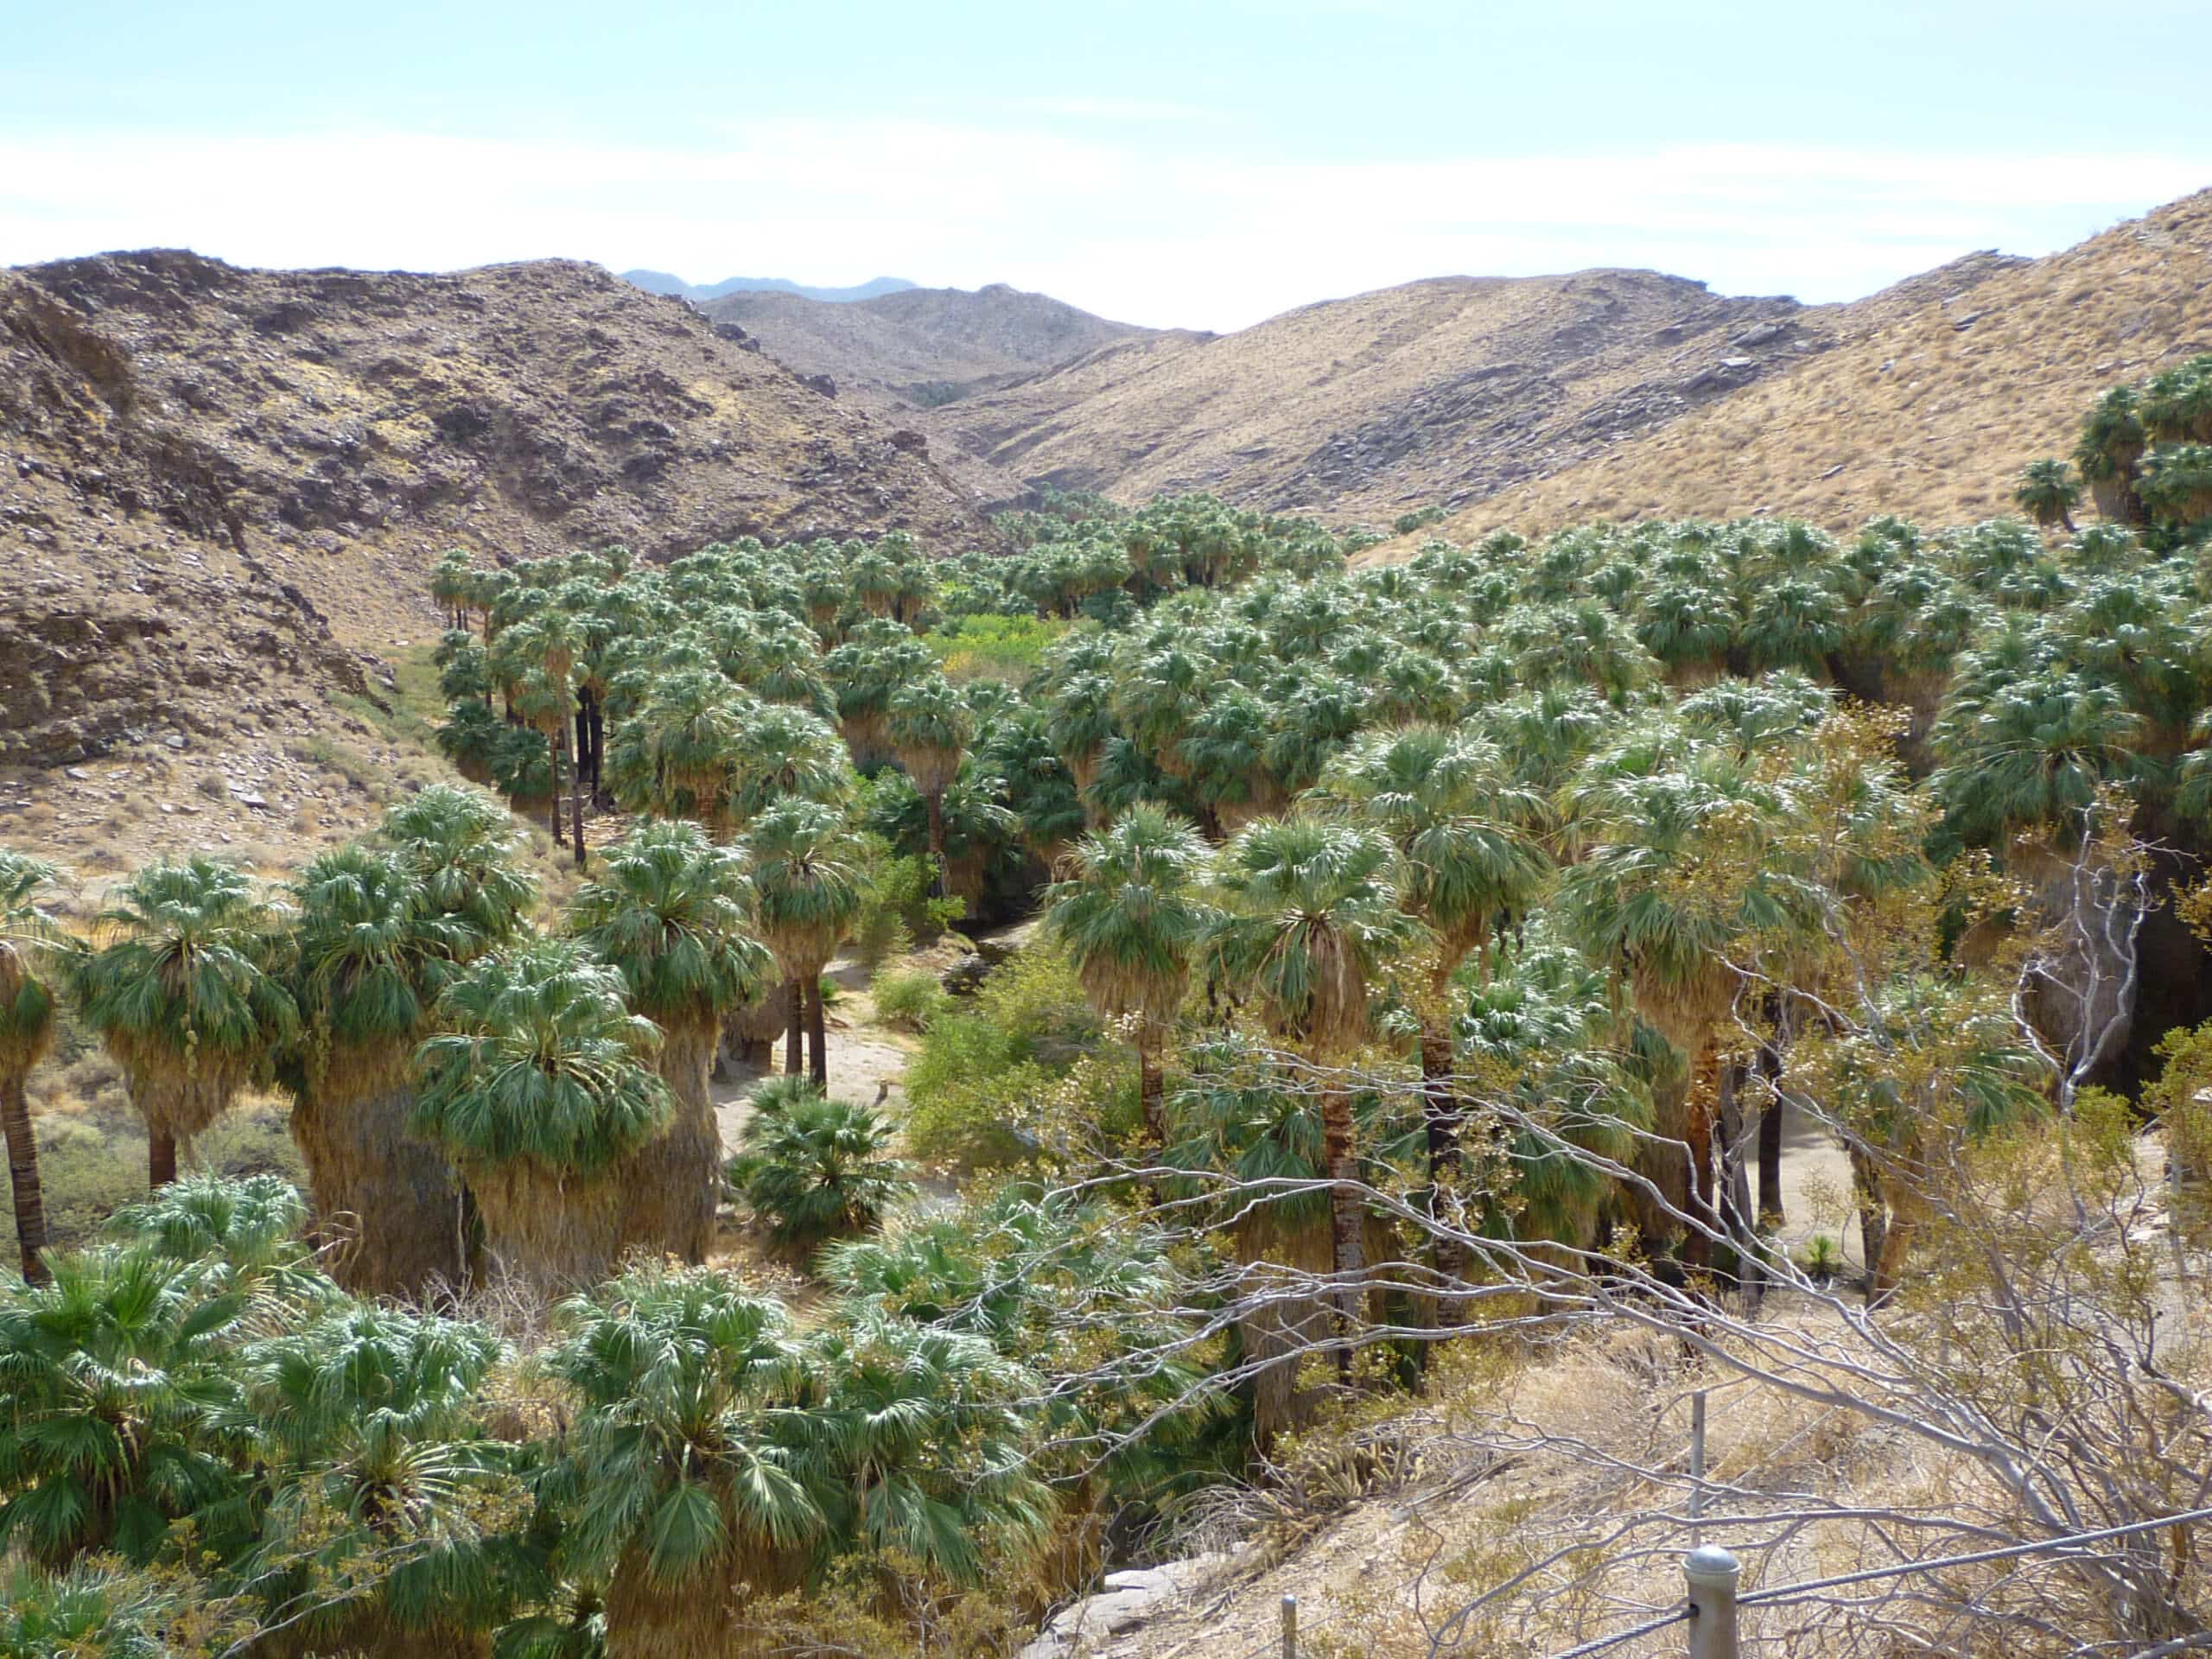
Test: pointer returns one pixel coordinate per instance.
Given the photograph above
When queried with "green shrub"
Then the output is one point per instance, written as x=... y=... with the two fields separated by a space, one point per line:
x=988 y=1066
x=898 y=911
x=909 y=998
x=1010 y=648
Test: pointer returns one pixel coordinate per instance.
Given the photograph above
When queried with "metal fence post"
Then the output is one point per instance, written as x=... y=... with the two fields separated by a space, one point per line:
x=1290 y=1627
x=1712 y=1573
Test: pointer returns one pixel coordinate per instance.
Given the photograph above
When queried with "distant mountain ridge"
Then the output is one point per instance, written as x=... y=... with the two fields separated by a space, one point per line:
x=661 y=282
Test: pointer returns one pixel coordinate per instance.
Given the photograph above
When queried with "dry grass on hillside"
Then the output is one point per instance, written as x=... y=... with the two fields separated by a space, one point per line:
x=1403 y=397
x=1913 y=414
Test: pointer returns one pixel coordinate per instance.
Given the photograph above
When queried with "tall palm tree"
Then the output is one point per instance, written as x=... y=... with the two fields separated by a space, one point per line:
x=183 y=989
x=1131 y=914
x=2048 y=493
x=1682 y=884
x=460 y=845
x=807 y=895
x=695 y=1499
x=929 y=728
x=371 y=956
x=539 y=1090
x=36 y=953
x=672 y=912
x=1469 y=860
x=1310 y=917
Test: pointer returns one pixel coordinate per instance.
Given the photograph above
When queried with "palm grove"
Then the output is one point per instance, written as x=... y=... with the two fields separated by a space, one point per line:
x=1519 y=886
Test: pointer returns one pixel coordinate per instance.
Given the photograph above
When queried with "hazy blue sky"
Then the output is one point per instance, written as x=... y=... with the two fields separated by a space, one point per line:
x=1207 y=162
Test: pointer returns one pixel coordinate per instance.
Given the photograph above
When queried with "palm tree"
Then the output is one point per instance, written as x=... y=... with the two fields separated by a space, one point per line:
x=2112 y=440
x=2048 y=493
x=682 y=754
x=1310 y=917
x=1240 y=1112
x=696 y=1499
x=921 y=1442
x=35 y=953
x=371 y=956
x=672 y=912
x=183 y=991
x=1450 y=805
x=1131 y=913
x=453 y=585
x=1684 y=880
x=380 y=1533
x=929 y=728
x=459 y=844
x=539 y=1090
x=807 y=896
x=786 y=751
x=816 y=1168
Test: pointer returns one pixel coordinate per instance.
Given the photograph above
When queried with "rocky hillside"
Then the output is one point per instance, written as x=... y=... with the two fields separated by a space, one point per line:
x=221 y=490
x=1936 y=394
x=922 y=346
x=1435 y=392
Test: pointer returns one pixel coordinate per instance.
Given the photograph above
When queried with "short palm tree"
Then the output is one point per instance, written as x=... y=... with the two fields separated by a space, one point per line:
x=807 y=895
x=1310 y=917
x=2112 y=440
x=1131 y=913
x=694 y=1500
x=371 y=955
x=117 y=1370
x=2048 y=493
x=921 y=1440
x=673 y=912
x=369 y=1422
x=539 y=1090
x=816 y=1168
x=184 y=990
x=36 y=954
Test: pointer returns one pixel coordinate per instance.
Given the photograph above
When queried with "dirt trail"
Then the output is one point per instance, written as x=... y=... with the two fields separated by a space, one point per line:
x=863 y=1059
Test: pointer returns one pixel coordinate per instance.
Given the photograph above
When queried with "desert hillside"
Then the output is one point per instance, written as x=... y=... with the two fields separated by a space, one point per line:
x=921 y=345
x=225 y=488
x=1937 y=393
x=1365 y=407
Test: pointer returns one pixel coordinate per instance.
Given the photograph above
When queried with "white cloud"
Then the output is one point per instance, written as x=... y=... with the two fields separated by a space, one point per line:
x=1152 y=232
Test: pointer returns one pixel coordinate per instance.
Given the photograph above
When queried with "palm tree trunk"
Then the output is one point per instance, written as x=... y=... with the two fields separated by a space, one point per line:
x=1697 y=1243
x=554 y=751
x=937 y=839
x=1441 y=1119
x=22 y=1177
x=1152 y=1093
x=161 y=1157
x=795 y=1032
x=1346 y=1214
x=1770 y=1213
x=1887 y=1272
x=672 y=1185
x=817 y=1035
x=1873 y=1214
